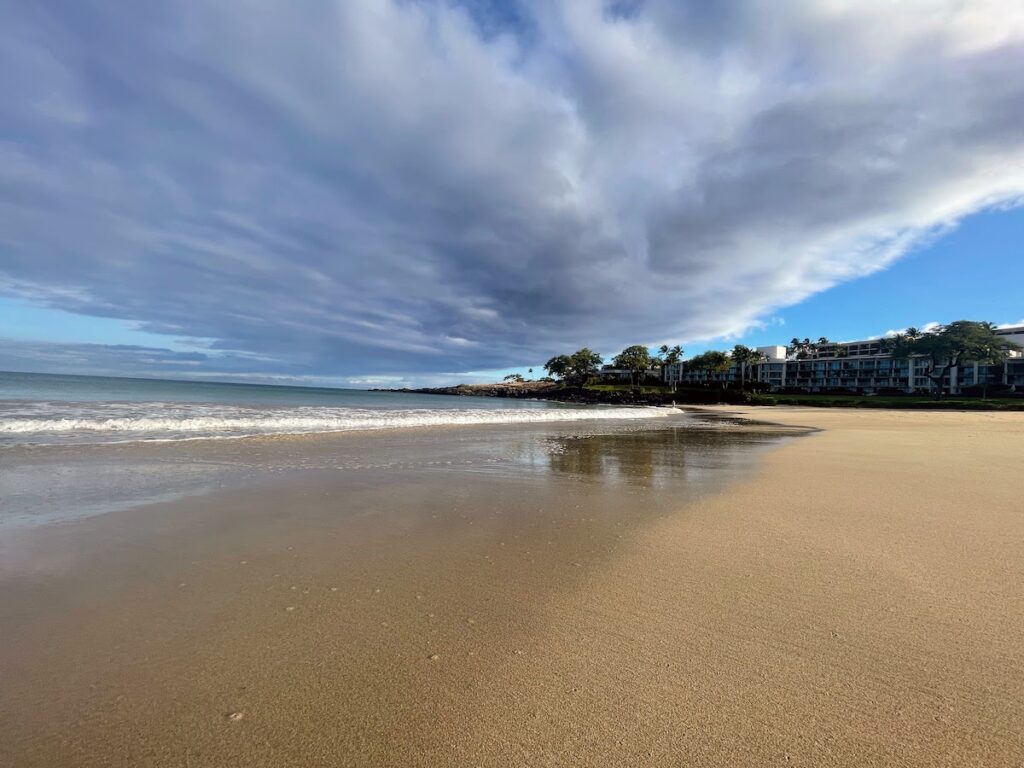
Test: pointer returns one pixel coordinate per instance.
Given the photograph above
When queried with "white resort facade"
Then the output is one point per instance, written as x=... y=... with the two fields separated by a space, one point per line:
x=862 y=367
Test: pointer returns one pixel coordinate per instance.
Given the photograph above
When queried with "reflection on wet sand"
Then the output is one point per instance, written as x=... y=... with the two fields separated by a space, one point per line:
x=353 y=600
x=654 y=458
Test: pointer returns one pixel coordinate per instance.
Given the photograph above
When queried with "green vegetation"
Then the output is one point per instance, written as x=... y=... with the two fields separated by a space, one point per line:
x=635 y=359
x=699 y=395
x=947 y=345
x=711 y=362
x=744 y=357
x=893 y=401
x=802 y=350
x=942 y=348
x=575 y=368
x=644 y=388
x=669 y=355
x=584 y=364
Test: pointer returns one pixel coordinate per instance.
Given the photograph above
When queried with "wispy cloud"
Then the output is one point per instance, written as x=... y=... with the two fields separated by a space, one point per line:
x=931 y=325
x=383 y=188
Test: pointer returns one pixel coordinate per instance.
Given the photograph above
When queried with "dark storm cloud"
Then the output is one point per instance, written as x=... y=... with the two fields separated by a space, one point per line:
x=380 y=187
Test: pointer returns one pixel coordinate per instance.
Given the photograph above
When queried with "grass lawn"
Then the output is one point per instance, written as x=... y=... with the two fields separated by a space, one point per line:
x=647 y=388
x=826 y=400
x=889 y=401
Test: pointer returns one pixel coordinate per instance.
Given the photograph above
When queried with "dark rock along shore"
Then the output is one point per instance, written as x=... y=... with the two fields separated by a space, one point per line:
x=546 y=390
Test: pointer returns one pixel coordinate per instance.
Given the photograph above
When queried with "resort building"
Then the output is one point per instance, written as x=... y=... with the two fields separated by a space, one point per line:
x=859 y=366
x=609 y=373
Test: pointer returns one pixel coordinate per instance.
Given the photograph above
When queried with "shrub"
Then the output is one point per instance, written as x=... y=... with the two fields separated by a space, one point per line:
x=978 y=390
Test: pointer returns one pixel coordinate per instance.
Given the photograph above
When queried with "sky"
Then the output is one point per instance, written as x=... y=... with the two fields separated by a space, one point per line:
x=403 y=192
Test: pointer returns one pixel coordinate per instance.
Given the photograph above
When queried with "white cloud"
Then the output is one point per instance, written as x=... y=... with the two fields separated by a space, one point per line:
x=402 y=186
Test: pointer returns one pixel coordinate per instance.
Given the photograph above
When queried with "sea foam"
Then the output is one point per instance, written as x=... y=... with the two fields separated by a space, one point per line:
x=108 y=422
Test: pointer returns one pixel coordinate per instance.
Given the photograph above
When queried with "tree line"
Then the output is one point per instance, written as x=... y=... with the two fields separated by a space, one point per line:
x=941 y=347
x=585 y=363
x=947 y=346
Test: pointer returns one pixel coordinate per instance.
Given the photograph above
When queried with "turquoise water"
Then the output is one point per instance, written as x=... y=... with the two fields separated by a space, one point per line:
x=60 y=409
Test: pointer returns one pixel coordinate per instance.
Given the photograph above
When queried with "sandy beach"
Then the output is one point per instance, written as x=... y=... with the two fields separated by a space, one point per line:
x=856 y=603
x=847 y=598
x=531 y=384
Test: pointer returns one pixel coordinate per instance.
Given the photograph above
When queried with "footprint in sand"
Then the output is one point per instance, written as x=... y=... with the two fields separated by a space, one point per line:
x=234 y=717
x=434 y=657
x=290 y=608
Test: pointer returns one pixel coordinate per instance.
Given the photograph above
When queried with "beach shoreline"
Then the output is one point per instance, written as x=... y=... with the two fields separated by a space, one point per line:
x=841 y=599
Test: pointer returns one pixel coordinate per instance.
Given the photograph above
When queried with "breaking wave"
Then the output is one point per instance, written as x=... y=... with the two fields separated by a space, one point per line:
x=117 y=422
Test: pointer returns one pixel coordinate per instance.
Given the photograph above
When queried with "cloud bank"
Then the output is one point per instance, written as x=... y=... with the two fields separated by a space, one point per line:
x=383 y=187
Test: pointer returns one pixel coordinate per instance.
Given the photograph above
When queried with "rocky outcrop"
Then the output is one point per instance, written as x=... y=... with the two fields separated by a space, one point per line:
x=549 y=390
x=525 y=389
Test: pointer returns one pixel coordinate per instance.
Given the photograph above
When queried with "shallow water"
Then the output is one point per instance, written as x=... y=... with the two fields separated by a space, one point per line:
x=43 y=409
x=42 y=484
x=315 y=585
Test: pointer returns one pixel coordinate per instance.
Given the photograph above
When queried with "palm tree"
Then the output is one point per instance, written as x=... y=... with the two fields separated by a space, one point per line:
x=801 y=350
x=743 y=356
x=669 y=356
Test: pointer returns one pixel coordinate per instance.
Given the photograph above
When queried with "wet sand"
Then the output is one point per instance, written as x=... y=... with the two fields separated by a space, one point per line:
x=852 y=597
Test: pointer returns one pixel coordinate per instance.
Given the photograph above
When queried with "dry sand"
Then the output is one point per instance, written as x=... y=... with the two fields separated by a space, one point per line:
x=857 y=601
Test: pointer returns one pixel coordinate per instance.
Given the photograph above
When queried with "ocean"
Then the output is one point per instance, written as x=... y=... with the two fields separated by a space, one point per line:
x=48 y=409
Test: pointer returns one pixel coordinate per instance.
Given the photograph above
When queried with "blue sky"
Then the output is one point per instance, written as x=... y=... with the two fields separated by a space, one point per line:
x=24 y=320
x=415 y=193
x=967 y=274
